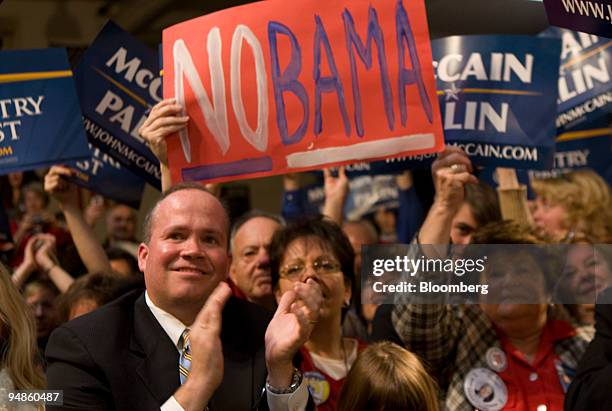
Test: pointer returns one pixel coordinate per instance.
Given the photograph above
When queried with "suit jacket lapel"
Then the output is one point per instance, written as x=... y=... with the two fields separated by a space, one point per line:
x=153 y=355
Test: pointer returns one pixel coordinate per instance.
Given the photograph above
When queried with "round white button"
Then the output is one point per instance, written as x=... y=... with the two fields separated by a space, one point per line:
x=532 y=377
x=541 y=407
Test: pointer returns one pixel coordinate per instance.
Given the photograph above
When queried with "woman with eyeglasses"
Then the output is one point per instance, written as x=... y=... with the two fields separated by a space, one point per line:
x=317 y=249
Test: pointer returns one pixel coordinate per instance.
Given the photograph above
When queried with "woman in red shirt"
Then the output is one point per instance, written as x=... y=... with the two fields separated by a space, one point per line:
x=317 y=249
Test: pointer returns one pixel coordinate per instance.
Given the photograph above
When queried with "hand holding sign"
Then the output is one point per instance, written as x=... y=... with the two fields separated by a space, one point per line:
x=64 y=192
x=450 y=184
x=165 y=119
x=450 y=156
x=288 y=91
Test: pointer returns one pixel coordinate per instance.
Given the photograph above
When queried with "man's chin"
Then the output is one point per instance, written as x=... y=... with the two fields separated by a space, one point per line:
x=263 y=289
x=191 y=292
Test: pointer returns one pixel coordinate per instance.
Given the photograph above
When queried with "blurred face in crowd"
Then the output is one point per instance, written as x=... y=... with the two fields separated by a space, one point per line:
x=250 y=269
x=42 y=303
x=15 y=179
x=463 y=225
x=359 y=234
x=516 y=299
x=121 y=223
x=385 y=220
x=33 y=201
x=186 y=256
x=586 y=273
x=311 y=257
x=550 y=218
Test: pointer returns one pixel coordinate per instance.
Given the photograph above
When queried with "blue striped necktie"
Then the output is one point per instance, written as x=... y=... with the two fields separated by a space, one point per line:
x=185 y=358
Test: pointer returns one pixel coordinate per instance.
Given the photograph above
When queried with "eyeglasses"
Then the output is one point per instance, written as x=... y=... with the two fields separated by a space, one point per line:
x=321 y=266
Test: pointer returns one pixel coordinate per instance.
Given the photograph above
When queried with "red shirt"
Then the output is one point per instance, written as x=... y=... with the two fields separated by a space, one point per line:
x=532 y=386
x=324 y=390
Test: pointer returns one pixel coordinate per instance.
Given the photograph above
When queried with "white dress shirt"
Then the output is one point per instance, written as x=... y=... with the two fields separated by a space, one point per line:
x=174 y=329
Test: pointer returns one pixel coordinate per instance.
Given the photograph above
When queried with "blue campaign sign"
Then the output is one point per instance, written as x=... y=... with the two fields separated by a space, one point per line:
x=104 y=175
x=118 y=81
x=498 y=97
x=40 y=118
x=366 y=195
x=585 y=89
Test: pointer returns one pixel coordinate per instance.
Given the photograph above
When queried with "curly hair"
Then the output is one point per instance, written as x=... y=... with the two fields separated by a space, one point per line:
x=586 y=198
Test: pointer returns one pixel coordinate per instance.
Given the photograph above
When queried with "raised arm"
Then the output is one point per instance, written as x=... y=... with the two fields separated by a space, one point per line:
x=27 y=266
x=47 y=261
x=433 y=330
x=89 y=248
x=451 y=172
x=336 y=189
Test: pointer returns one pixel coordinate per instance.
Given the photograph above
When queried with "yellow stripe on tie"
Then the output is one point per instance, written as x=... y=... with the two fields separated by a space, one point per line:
x=577 y=135
x=35 y=75
x=183 y=370
x=122 y=87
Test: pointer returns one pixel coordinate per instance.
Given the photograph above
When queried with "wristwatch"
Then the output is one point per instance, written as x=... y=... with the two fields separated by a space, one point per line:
x=295 y=383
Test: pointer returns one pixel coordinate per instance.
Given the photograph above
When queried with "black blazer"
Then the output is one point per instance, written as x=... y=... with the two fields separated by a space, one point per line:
x=120 y=358
x=591 y=389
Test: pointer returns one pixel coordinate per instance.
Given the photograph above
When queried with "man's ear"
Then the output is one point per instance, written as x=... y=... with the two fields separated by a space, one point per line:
x=143 y=253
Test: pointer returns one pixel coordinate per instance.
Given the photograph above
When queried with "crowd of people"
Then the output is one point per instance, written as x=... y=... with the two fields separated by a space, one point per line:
x=269 y=311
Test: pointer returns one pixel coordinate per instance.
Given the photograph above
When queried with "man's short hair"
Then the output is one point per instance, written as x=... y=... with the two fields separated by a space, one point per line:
x=148 y=221
x=246 y=217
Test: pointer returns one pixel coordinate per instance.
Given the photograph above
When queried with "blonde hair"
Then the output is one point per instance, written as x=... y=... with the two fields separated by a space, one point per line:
x=18 y=337
x=586 y=198
x=387 y=377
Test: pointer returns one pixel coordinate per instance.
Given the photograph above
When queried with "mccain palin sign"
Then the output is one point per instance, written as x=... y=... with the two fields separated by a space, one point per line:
x=498 y=97
x=118 y=81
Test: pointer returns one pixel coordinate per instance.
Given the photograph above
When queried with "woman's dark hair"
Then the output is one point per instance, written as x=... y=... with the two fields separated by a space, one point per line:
x=325 y=232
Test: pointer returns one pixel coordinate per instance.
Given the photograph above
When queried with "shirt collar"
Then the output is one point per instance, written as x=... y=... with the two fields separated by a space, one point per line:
x=171 y=325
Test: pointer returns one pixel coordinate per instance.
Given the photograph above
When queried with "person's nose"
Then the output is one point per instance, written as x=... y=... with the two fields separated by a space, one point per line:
x=192 y=248
x=537 y=214
x=263 y=258
x=309 y=272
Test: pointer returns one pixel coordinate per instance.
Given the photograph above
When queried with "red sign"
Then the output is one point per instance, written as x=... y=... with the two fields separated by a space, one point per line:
x=276 y=87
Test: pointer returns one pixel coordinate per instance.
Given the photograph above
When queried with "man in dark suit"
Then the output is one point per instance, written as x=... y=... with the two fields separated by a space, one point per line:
x=126 y=355
x=590 y=389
